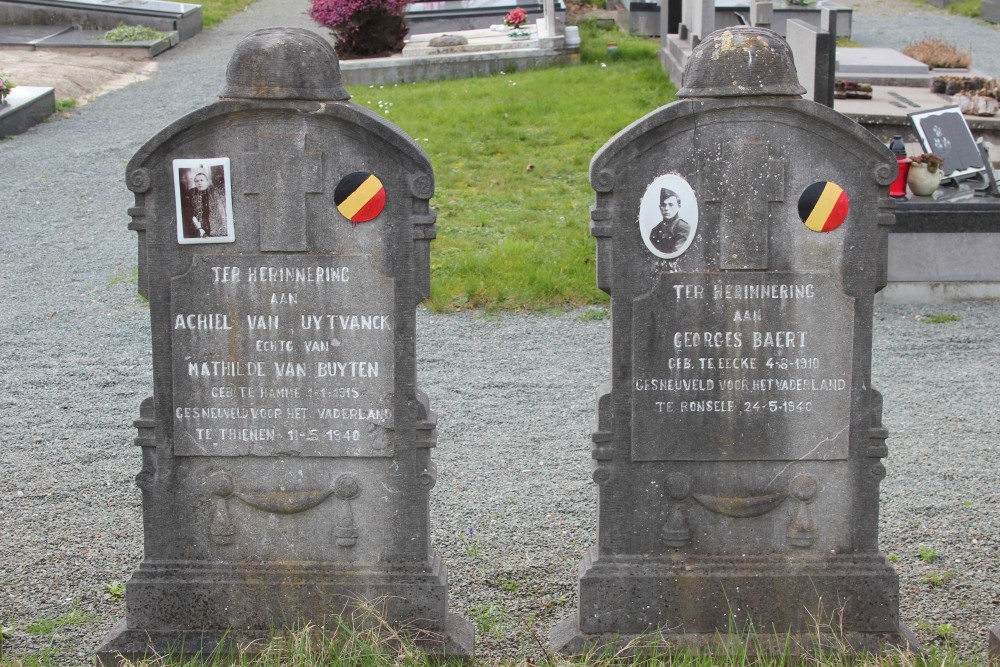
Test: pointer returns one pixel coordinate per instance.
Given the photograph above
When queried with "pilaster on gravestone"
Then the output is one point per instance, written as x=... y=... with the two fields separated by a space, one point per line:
x=284 y=237
x=741 y=233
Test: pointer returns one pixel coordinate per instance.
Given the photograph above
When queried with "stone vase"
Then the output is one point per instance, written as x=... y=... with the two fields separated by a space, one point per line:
x=922 y=181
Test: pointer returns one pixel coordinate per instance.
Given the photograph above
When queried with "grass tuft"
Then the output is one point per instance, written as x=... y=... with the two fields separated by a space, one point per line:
x=114 y=591
x=489 y=620
x=132 y=33
x=937 y=579
x=940 y=318
x=594 y=314
x=49 y=625
x=972 y=9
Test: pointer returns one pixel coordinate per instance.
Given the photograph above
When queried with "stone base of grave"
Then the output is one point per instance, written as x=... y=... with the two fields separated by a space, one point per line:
x=774 y=602
x=993 y=646
x=674 y=55
x=201 y=608
x=26 y=106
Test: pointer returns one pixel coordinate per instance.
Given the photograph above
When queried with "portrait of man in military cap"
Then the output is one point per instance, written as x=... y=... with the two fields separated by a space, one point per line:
x=668 y=216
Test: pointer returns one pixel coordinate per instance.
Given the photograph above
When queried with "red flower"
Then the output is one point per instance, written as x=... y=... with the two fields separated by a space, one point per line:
x=516 y=18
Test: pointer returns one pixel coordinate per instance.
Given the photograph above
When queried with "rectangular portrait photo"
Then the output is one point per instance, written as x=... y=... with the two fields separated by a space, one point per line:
x=204 y=200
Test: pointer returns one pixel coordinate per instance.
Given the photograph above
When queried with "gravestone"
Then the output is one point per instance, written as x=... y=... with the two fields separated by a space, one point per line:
x=815 y=59
x=991 y=11
x=697 y=22
x=761 y=13
x=737 y=445
x=284 y=238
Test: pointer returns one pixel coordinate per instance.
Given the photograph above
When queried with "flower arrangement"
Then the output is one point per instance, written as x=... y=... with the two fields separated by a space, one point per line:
x=516 y=18
x=363 y=27
x=932 y=161
x=6 y=85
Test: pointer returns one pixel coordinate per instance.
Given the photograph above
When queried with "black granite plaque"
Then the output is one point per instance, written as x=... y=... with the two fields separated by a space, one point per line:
x=283 y=354
x=750 y=366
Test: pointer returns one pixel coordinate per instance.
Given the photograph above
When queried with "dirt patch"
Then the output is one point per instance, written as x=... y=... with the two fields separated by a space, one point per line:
x=76 y=76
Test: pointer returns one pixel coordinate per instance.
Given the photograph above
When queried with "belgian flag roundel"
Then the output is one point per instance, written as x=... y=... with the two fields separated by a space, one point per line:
x=360 y=196
x=823 y=206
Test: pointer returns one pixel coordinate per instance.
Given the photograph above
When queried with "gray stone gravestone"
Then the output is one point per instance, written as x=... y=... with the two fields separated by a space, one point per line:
x=761 y=13
x=737 y=446
x=284 y=239
x=697 y=22
x=991 y=11
x=815 y=58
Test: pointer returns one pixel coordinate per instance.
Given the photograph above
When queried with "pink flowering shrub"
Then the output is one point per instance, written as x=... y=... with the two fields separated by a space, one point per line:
x=363 y=27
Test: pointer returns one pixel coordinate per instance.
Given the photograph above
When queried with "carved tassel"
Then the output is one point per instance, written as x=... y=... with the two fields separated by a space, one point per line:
x=223 y=530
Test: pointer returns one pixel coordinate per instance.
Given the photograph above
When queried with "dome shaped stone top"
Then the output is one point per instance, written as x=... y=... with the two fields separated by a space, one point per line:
x=284 y=64
x=741 y=61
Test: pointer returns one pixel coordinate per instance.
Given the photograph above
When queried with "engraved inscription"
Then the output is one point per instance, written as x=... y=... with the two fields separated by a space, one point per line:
x=747 y=367
x=283 y=355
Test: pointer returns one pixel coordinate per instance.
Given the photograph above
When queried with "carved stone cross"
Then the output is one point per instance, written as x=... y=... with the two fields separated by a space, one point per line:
x=744 y=178
x=280 y=180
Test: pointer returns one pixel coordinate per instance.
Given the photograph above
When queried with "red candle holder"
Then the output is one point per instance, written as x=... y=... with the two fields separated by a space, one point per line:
x=898 y=188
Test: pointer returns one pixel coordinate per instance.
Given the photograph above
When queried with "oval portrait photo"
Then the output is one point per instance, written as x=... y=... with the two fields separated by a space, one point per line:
x=668 y=216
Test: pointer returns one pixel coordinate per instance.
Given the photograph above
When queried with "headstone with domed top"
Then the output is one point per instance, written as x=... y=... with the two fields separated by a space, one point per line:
x=741 y=234
x=284 y=241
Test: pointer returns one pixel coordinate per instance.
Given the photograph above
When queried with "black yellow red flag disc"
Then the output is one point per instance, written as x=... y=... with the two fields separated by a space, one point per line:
x=360 y=196
x=823 y=206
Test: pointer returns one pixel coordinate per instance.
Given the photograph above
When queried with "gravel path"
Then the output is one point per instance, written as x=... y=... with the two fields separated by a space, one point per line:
x=896 y=23
x=514 y=395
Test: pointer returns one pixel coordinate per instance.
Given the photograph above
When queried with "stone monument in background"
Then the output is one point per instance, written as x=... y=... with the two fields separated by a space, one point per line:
x=741 y=234
x=284 y=239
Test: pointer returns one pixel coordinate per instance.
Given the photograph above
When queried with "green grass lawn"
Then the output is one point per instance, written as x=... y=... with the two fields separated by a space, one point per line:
x=511 y=155
x=215 y=12
x=970 y=8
